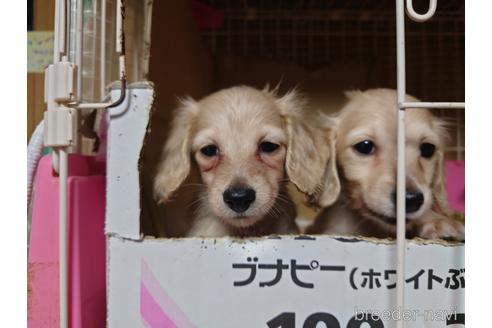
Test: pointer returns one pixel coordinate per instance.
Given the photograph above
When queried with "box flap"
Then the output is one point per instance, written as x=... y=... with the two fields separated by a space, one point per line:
x=127 y=127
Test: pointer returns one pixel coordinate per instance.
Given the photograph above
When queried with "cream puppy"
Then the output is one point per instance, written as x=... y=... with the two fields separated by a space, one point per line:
x=366 y=157
x=247 y=144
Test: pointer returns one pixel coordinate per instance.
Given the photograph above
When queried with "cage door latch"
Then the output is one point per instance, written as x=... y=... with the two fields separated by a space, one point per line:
x=60 y=127
x=60 y=120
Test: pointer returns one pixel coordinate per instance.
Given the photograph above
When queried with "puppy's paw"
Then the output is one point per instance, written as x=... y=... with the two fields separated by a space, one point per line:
x=441 y=228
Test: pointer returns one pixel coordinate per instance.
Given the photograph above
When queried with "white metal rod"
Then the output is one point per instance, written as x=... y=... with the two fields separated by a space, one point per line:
x=122 y=67
x=63 y=235
x=79 y=47
x=103 y=50
x=401 y=216
x=444 y=105
x=94 y=45
x=90 y=105
x=119 y=27
x=56 y=58
x=56 y=54
x=68 y=17
x=62 y=30
x=421 y=17
x=400 y=171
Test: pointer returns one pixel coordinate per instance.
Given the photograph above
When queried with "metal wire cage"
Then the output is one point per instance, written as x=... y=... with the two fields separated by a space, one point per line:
x=91 y=44
x=315 y=34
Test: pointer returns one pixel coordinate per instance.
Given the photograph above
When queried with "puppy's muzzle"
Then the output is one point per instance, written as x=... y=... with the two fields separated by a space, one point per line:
x=239 y=198
x=413 y=201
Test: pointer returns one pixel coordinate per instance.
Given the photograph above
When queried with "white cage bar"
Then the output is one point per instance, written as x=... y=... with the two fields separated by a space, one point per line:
x=442 y=105
x=60 y=152
x=401 y=107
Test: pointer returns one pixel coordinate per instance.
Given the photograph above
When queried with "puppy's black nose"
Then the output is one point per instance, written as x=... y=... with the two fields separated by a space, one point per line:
x=413 y=201
x=239 y=198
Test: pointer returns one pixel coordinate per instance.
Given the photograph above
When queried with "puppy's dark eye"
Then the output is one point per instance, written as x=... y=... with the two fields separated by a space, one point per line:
x=427 y=150
x=268 y=147
x=210 y=150
x=365 y=147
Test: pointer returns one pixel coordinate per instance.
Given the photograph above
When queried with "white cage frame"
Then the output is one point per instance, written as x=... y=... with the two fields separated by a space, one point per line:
x=60 y=155
x=62 y=104
x=401 y=107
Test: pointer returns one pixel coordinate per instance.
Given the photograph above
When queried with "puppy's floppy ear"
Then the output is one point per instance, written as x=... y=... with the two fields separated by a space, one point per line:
x=175 y=161
x=310 y=160
x=438 y=181
x=330 y=189
x=438 y=186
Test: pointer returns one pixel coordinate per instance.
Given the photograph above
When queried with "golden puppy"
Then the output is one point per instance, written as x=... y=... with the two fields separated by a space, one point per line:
x=366 y=157
x=246 y=143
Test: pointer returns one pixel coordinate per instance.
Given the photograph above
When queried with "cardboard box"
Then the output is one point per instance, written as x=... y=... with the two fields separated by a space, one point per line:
x=277 y=281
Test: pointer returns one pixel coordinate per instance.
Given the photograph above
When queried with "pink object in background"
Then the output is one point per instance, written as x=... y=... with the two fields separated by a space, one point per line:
x=455 y=185
x=87 y=253
x=207 y=16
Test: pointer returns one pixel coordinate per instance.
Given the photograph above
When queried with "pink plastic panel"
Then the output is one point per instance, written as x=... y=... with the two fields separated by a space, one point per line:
x=455 y=185
x=87 y=277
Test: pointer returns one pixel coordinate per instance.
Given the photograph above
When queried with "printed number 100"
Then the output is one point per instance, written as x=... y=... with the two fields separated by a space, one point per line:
x=288 y=320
